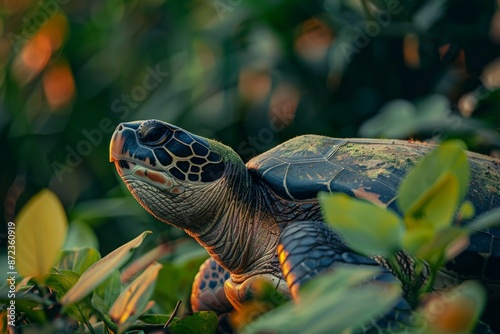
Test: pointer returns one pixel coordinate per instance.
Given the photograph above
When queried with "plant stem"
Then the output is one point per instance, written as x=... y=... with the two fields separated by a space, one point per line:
x=107 y=322
x=432 y=275
x=85 y=320
x=173 y=314
x=395 y=266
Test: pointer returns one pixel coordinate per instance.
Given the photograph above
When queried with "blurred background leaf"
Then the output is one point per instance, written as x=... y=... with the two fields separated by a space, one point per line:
x=40 y=233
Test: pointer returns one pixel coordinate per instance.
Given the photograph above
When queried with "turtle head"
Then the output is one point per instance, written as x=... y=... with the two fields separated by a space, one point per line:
x=175 y=175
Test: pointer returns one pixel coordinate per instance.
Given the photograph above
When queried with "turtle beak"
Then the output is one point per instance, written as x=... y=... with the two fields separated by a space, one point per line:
x=118 y=139
x=118 y=152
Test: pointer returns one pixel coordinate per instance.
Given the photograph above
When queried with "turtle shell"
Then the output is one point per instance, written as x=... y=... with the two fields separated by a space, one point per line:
x=372 y=169
x=301 y=167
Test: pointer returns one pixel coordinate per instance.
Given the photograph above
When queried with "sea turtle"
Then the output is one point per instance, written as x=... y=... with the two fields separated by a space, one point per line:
x=250 y=217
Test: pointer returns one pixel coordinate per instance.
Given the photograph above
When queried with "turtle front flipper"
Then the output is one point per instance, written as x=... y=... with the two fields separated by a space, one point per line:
x=208 y=289
x=307 y=248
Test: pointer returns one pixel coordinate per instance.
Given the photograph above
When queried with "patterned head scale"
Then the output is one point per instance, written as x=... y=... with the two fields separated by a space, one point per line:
x=164 y=155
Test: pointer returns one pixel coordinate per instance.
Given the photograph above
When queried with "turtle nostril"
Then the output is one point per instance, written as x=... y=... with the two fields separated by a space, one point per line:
x=119 y=127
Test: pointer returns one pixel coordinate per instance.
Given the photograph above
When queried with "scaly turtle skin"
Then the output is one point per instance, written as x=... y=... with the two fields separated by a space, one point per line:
x=250 y=217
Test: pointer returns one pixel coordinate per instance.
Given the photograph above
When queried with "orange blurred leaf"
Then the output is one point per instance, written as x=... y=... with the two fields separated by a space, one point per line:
x=133 y=301
x=59 y=86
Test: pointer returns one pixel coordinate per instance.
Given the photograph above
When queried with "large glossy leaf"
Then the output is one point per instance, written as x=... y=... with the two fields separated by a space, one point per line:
x=331 y=303
x=40 y=232
x=101 y=270
x=78 y=260
x=447 y=158
x=365 y=227
x=199 y=322
x=133 y=300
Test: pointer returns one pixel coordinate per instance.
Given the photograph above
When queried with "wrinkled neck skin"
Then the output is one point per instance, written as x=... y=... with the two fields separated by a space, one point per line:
x=240 y=235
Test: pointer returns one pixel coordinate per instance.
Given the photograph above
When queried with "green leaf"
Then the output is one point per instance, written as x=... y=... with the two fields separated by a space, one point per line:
x=106 y=208
x=80 y=235
x=101 y=270
x=397 y=119
x=436 y=207
x=78 y=260
x=63 y=281
x=40 y=229
x=133 y=300
x=415 y=239
x=367 y=228
x=429 y=234
x=105 y=294
x=434 y=247
x=466 y=210
x=449 y=157
x=199 y=322
x=154 y=319
x=30 y=304
x=345 y=277
x=332 y=303
x=401 y=118
x=180 y=279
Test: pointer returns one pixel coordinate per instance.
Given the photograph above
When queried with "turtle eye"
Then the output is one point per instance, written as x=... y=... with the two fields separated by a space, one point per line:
x=154 y=133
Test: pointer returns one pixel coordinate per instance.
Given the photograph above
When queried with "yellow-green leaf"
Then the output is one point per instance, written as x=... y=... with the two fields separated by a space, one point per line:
x=61 y=282
x=40 y=231
x=365 y=227
x=467 y=210
x=78 y=260
x=449 y=157
x=105 y=294
x=198 y=322
x=435 y=247
x=101 y=270
x=335 y=302
x=132 y=302
x=414 y=240
x=436 y=207
x=80 y=235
